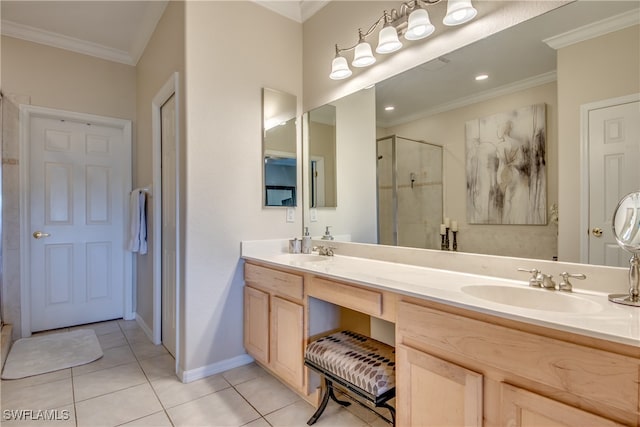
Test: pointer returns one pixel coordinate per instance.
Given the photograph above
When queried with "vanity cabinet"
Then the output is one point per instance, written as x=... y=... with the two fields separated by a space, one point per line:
x=481 y=370
x=274 y=322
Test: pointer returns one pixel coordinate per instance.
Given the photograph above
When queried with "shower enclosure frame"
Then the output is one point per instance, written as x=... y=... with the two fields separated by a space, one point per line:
x=394 y=180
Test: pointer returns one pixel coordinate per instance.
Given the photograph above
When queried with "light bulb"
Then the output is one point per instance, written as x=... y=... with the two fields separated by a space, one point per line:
x=419 y=25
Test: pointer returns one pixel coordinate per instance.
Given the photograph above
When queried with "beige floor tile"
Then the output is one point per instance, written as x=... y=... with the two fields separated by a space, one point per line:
x=172 y=392
x=159 y=366
x=224 y=408
x=118 y=408
x=101 y=328
x=112 y=339
x=128 y=324
x=136 y=335
x=144 y=349
x=299 y=413
x=260 y=422
x=49 y=395
x=159 y=419
x=58 y=417
x=266 y=394
x=244 y=373
x=111 y=357
x=107 y=381
x=62 y=374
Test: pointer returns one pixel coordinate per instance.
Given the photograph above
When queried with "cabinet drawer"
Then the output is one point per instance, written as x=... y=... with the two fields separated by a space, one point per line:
x=275 y=281
x=590 y=373
x=353 y=297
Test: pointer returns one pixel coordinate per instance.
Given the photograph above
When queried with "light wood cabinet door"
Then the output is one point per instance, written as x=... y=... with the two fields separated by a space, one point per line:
x=287 y=336
x=522 y=408
x=256 y=324
x=434 y=392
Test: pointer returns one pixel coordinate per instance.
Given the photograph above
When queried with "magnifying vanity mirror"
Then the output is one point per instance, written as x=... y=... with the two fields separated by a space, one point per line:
x=279 y=148
x=529 y=64
x=626 y=229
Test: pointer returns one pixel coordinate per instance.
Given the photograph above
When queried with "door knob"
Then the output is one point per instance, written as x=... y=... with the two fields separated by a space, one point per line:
x=40 y=234
x=597 y=232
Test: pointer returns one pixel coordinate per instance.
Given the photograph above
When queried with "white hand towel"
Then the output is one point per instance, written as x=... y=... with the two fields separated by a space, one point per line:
x=137 y=223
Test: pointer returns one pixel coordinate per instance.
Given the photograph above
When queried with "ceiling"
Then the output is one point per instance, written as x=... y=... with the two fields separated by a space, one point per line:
x=113 y=30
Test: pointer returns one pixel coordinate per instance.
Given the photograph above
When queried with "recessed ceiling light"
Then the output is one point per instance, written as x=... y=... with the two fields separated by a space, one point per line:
x=389 y=108
x=482 y=77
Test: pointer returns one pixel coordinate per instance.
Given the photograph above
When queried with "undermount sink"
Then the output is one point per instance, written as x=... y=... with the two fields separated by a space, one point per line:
x=301 y=258
x=533 y=298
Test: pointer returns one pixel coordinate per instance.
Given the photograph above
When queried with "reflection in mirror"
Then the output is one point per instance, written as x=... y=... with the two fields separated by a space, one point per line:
x=322 y=157
x=279 y=148
x=434 y=101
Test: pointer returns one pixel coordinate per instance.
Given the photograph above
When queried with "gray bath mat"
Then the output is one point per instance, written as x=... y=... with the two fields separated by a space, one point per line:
x=48 y=353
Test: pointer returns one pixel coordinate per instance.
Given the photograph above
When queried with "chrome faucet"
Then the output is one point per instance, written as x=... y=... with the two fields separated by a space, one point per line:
x=539 y=279
x=327 y=234
x=565 y=285
x=324 y=250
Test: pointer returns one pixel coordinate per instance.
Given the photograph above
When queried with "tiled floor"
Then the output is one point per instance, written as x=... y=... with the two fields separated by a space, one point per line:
x=134 y=384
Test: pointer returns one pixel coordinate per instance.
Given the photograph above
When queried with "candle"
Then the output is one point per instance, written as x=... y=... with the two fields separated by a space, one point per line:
x=446 y=222
x=443 y=229
x=454 y=225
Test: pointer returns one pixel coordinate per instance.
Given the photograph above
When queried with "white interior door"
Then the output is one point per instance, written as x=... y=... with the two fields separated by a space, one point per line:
x=169 y=252
x=79 y=174
x=614 y=170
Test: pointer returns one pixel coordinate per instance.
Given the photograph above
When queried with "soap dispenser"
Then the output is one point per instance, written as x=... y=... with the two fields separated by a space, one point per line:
x=306 y=242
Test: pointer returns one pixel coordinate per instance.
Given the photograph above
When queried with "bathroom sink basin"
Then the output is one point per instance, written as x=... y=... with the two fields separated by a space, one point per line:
x=533 y=298
x=297 y=259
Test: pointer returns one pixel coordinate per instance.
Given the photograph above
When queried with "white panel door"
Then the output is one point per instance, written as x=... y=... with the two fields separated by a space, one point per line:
x=614 y=165
x=77 y=201
x=168 y=138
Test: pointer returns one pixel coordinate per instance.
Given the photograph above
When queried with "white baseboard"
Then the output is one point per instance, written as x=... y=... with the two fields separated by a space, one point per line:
x=145 y=328
x=214 y=368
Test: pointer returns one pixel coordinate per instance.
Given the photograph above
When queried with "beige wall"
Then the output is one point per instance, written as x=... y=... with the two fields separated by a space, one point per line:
x=66 y=80
x=163 y=56
x=448 y=129
x=324 y=145
x=233 y=50
x=55 y=78
x=593 y=70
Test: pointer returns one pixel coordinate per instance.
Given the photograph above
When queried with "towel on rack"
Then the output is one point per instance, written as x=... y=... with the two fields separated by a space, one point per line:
x=138 y=222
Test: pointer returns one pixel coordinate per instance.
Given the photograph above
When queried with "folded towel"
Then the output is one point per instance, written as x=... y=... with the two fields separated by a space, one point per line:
x=138 y=223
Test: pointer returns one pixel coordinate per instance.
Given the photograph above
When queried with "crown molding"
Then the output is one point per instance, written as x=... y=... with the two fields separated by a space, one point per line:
x=595 y=29
x=298 y=11
x=473 y=99
x=49 y=38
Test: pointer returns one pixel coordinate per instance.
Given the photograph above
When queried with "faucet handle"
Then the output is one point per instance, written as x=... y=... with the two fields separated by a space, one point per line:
x=565 y=285
x=535 y=280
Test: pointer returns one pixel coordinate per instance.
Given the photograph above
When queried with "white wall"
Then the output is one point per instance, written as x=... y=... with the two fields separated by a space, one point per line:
x=233 y=50
x=354 y=214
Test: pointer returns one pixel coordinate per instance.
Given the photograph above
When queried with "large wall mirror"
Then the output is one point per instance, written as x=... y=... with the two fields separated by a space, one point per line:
x=430 y=108
x=279 y=148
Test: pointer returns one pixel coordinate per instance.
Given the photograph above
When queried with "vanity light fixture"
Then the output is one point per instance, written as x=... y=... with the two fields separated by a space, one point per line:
x=411 y=21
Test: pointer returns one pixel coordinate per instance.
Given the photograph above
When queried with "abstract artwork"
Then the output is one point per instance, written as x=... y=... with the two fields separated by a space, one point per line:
x=505 y=166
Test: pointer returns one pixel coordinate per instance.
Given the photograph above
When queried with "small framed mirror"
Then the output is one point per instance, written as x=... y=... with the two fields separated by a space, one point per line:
x=626 y=230
x=322 y=157
x=279 y=152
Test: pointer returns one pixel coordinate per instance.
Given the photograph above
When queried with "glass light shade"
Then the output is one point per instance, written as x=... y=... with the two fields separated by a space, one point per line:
x=459 y=12
x=363 y=56
x=388 y=40
x=339 y=68
x=419 y=25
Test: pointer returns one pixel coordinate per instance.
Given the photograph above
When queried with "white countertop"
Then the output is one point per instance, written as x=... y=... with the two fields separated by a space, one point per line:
x=596 y=316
